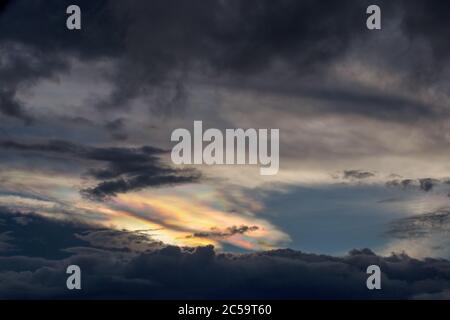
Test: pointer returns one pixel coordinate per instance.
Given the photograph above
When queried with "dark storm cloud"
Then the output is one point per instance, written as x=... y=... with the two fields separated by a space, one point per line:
x=228 y=232
x=28 y=234
x=9 y=106
x=428 y=20
x=137 y=182
x=138 y=241
x=20 y=67
x=39 y=237
x=124 y=169
x=423 y=225
x=34 y=45
x=171 y=272
x=166 y=40
x=41 y=25
x=157 y=44
x=5 y=241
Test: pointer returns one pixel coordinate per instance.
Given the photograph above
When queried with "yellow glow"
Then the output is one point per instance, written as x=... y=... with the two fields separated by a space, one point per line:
x=179 y=217
x=173 y=215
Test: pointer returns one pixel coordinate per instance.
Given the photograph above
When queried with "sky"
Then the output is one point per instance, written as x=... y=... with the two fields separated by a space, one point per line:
x=86 y=118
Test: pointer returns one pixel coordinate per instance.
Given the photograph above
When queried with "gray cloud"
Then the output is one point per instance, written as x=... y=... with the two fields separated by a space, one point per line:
x=425 y=184
x=5 y=242
x=20 y=67
x=113 y=270
x=357 y=174
x=237 y=38
x=11 y=107
x=124 y=169
x=227 y=232
x=138 y=241
x=137 y=182
x=423 y=225
x=117 y=129
x=423 y=19
x=236 y=45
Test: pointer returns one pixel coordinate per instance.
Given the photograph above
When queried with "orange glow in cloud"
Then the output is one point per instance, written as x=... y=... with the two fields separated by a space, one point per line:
x=184 y=215
x=178 y=216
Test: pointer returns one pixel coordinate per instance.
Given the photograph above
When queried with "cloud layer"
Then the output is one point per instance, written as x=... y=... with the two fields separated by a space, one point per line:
x=118 y=264
x=85 y=124
x=125 y=169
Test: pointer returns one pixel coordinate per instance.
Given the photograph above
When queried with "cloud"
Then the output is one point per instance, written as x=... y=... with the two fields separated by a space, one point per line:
x=425 y=184
x=217 y=38
x=422 y=19
x=117 y=264
x=124 y=170
x=5 y=240
x=225 y=46
x=137 y=182
x=357 y=174
x=117 y=129
x=223 y=38
x=227 y=232
x=11 y=107
x=422 y=225
x=137 y=241
x=21 y=67
x=345 y=98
